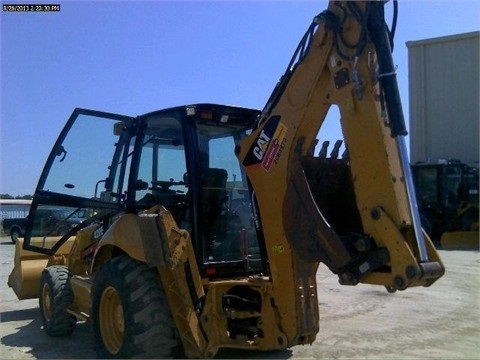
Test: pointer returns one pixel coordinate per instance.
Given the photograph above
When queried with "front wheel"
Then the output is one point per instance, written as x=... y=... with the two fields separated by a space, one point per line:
x=55 y=296
x=130 y=312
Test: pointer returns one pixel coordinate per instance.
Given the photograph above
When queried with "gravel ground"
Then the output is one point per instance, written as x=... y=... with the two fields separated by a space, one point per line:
x=439 y=322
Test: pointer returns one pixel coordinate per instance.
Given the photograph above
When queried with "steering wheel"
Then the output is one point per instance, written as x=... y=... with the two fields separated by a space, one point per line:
x=165 y=185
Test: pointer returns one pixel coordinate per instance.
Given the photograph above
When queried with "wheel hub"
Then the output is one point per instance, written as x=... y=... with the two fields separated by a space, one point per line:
x=47 y=302
x=111 y=320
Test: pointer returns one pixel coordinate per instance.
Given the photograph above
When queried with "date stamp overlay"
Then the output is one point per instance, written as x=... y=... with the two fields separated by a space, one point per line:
x=31 y=7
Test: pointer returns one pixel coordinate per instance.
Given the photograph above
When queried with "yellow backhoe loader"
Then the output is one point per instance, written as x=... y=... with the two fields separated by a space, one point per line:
x=207 y=223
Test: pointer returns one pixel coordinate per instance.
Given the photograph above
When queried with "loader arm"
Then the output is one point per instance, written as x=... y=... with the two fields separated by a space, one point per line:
x=345 y=60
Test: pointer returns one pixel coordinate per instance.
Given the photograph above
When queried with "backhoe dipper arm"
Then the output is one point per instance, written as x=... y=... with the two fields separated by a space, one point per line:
x=344 y=59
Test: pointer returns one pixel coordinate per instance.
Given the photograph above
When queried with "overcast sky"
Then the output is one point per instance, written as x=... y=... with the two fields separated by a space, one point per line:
x=133 y=57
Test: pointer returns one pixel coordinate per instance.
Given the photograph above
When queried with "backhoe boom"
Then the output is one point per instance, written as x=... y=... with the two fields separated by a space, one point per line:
x=344 y=60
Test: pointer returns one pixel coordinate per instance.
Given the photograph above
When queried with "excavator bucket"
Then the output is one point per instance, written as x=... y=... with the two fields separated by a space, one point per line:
x=28 y=266
x=460 y=240
x=25 y=276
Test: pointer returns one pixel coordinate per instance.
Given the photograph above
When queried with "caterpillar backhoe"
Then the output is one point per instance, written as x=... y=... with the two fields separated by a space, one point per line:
x=207 y=223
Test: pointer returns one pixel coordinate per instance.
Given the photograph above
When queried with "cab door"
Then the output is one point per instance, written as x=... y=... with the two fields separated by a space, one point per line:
x=83 y=179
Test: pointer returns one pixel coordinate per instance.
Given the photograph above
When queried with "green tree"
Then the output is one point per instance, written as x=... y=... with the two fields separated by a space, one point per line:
x=24 y=197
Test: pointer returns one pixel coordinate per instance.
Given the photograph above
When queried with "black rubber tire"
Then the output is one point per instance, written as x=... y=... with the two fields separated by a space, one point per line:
x=15 y=233
x=54 y=298
x=138 y=321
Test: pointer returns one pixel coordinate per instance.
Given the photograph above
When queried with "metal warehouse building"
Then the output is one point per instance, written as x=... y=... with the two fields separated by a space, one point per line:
x=444 y=98
x=13 y=208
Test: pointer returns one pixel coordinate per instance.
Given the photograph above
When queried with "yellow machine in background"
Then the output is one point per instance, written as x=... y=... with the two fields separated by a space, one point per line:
x=448 y=201
x=189 y=248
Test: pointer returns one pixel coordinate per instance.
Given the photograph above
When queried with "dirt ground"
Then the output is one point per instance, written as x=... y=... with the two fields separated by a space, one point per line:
x=361 y=322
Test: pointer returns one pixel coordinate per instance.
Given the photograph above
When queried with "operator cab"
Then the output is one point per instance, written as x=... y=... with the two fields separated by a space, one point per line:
x=182 y=158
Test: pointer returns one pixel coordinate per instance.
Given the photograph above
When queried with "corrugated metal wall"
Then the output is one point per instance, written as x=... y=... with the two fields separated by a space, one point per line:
x=444 y=97
x=14 y=208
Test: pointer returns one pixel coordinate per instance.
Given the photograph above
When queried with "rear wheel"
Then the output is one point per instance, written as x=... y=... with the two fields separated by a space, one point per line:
x=131 y=315
x=55 y=296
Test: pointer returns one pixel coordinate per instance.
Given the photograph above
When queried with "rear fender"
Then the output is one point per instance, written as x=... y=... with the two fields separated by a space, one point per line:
x=124 y=236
